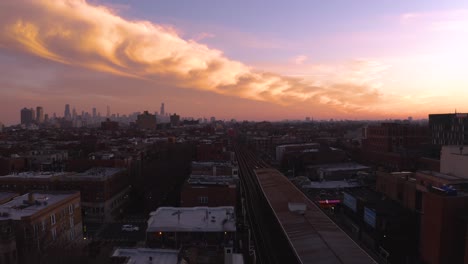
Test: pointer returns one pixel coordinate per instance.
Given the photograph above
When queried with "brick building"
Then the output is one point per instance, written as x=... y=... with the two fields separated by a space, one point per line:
x=41 y=220
x=104 y=191
x=209 y=191
x=395 y=137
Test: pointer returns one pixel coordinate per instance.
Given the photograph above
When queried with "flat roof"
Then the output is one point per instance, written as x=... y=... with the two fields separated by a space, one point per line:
x=212 y=180
x=192 y=219
x=331 y=184
x=142 y=255
x=211 y=164
x=19 y=206
x=342 y=166
x=313 y=235
x=36 y=175
x=98 y=173
x=7 y=195
x=441 y=175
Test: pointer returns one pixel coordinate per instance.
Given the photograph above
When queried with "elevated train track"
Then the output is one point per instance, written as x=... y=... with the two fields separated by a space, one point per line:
x=283 y=236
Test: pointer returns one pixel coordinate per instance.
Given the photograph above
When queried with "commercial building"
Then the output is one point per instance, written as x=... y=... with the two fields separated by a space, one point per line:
x=381 y=224
x=336 y=171
x=39 y=114
x=26 y=116
x=449 y=129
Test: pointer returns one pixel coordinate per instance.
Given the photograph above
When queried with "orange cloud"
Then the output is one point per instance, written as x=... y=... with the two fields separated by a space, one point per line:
x=75 y=32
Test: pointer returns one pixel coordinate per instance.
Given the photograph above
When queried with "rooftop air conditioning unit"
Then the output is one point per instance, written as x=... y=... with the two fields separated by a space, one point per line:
x=299 y=208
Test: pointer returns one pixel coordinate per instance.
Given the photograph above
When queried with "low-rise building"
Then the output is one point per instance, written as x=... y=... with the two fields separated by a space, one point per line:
x=104 y=191
x=41 y=220
x=174 y=227
x=209 y=191
x=146 y=256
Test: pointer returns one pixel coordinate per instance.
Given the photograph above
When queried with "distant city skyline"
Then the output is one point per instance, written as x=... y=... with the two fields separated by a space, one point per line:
x=252 y=60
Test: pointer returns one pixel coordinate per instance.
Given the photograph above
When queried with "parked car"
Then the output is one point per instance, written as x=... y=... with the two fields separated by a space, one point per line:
x=130 y=228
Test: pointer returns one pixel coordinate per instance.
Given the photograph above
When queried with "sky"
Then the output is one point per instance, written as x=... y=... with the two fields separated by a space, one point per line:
x=248 y=60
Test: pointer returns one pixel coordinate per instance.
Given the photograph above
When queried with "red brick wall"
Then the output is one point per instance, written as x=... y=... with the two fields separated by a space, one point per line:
x=217 y=195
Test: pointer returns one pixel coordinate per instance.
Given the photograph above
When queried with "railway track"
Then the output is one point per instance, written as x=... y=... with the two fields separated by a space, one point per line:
x=271 y=245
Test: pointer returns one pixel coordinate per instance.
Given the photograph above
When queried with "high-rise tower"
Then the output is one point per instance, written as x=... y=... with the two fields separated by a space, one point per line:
x=26 y=116
x=162 y=112
x=67 y=113
x=39 y=114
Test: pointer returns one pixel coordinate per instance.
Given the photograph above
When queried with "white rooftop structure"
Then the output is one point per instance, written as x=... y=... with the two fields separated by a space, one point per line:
x=193 y=219
x=147 y=255
x=21 y=206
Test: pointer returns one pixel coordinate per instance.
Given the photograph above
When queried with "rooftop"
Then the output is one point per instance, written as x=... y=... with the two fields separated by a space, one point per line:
x=442 y=176
x=21 y=207
x=98 y=173
x=331 y=184
x=36 y=175
x=6 y=196
x=192 y=219
x=212 y=180
x=142 y=255
x=342 y=166
x=211 y=164
x=313 y=235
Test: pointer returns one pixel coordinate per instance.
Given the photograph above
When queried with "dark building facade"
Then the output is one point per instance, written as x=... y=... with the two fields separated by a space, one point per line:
x=449 y=129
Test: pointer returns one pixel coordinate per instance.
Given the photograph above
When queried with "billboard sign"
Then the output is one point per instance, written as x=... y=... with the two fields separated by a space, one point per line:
x=350 y=202
x=370 y=216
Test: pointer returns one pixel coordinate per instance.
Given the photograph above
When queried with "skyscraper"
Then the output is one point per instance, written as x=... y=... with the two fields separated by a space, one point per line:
x=162 y=112
x=94 y=112
x=33 y=113
x=108 y=111
x=39 y=114
x=26 y=116
x=67 y=113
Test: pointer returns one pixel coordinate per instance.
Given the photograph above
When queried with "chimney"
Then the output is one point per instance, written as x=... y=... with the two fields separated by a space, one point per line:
x=30 y=198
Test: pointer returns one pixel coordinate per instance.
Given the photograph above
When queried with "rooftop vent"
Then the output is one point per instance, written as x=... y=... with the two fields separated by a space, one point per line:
x=299 y=208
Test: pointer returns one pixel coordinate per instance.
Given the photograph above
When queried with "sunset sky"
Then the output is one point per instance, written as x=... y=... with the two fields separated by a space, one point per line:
x=255 y=60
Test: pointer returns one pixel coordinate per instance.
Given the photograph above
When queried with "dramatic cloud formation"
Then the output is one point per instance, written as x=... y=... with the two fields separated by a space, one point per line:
x=76 y=33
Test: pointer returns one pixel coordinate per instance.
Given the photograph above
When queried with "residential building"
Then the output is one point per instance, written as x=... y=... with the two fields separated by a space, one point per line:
x=146 y=121
x=104 y=191
x=43 y=219
x=175 y=227
x=209 y=191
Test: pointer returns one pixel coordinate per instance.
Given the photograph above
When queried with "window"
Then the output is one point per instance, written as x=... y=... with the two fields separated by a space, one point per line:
x=70 y=209
x=35 y=229
x=52 y=219
x=43 y=224
x=54 y=234
x=203 y=199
